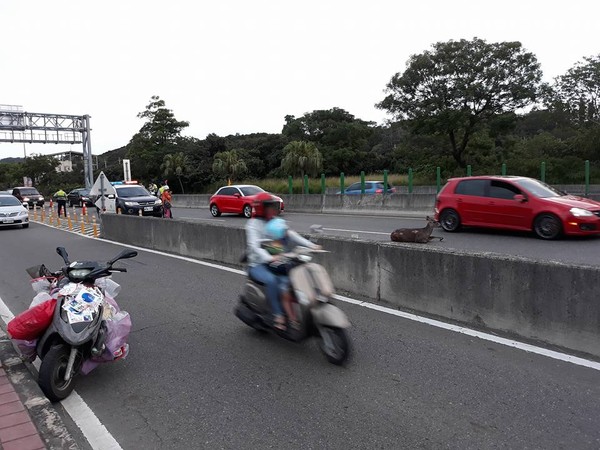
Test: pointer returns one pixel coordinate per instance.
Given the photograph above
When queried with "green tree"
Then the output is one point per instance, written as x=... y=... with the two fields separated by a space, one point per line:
x=301 y=157
x=457 y=86
x=578 y=91
x=158 y=136
x=229 y=165
x=175 y=164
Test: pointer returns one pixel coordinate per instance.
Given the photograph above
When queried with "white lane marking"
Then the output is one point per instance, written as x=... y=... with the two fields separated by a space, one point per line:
x=202 y=218
x=435 y=323
x=478 y=334
x=356 y=231
x=96 y=434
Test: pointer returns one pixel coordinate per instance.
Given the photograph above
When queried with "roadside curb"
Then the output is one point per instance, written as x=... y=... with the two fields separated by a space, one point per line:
x=44 y=417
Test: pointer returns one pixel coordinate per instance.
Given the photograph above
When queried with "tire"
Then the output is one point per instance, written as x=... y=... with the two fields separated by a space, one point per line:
x=25 y=225
x=52 y=371
x=547 y=226
x=450 y=220
x=338 y=354
x=247 y=211
x=214 y=210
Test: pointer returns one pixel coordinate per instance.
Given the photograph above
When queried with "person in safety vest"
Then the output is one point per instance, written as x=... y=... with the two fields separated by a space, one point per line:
x=61 y=201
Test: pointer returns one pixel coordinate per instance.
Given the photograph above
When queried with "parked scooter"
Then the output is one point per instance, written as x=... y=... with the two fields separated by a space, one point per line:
x=76 y=333
x=312 y=291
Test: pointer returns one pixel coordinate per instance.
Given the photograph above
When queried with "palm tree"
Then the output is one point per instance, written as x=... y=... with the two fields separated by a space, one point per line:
x=229 y=165
x=175 y=164
x=302 y=158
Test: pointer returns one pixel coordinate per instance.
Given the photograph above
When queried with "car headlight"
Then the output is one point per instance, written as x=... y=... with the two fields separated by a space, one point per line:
x=158 y=202
x=40 y=198
x=130 y=203
x=23 y=213
x=25 y=199
x=580 y=212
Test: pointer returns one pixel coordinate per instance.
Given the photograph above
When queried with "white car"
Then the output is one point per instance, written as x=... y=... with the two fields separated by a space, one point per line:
x=12 y=212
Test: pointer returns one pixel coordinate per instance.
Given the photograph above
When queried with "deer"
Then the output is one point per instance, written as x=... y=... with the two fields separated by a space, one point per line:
x=420 y=235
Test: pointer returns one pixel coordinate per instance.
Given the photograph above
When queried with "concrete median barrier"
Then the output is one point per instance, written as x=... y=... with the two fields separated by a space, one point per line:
x=544 y=301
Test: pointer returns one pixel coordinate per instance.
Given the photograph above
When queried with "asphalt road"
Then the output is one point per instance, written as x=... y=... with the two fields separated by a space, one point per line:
x=568 y=250
x=197 y=377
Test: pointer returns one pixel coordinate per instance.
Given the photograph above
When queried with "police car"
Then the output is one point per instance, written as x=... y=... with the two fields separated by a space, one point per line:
x=133 y=198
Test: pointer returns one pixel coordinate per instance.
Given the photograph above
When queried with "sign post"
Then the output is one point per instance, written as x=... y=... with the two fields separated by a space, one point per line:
x=105 y=194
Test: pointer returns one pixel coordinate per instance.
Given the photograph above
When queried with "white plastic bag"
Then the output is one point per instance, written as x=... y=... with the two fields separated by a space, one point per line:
x=110 y=287
x=40 y=298
x=40 y=285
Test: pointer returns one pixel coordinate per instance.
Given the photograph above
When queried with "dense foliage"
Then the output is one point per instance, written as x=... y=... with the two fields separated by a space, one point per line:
x=458 y=103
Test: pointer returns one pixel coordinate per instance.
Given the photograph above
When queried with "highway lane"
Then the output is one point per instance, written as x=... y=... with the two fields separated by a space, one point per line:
x=197 y=377
x=568 y=250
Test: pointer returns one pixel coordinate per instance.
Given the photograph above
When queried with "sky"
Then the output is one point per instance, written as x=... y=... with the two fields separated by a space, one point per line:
x=239 y=66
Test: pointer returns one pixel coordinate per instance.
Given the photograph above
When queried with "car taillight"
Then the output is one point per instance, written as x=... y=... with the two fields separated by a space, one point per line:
x=379 y=191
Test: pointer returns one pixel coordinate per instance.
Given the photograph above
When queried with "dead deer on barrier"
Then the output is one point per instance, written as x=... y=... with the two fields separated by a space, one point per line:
x=420 y=235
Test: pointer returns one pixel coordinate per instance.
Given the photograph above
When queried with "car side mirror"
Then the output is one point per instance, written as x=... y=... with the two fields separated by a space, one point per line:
x=26 y=205
x=237 y=195
x=520 y=198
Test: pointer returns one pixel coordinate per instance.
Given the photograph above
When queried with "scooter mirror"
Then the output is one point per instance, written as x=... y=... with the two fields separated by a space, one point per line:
x=125 y=254
x=63 y=253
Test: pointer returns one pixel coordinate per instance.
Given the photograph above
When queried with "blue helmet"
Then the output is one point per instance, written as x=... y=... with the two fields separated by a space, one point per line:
x=276 y=228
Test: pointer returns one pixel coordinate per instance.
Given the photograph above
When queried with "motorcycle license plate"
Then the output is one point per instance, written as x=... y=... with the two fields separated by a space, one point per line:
x=9 y=221
x=148 y=208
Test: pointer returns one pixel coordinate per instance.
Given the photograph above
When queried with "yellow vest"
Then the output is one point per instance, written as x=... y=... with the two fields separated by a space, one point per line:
x=60 y=193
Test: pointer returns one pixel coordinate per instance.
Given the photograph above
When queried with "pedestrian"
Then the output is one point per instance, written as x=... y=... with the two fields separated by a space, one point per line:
x=164 y=184
x=167 y=198
x=61 y=201
x=152 y=188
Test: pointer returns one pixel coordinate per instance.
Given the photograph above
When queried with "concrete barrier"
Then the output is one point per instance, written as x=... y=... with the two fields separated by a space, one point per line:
x=544 y=301
x=191 y=200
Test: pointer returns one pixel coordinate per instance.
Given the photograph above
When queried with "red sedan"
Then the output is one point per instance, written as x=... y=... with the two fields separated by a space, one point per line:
x=236 y=199
x=515 y=203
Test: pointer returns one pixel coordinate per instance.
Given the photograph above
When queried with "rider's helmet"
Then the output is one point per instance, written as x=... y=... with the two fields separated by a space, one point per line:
x=263 y=202
x=276 y=229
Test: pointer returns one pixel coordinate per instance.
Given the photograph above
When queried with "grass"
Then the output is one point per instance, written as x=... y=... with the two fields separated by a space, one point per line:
x=280 y=186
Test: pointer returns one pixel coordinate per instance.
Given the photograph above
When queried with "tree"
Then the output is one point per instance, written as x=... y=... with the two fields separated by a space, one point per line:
x=175 y=164
x=157 y=137
x=229 y=165
x=578 y=91
x=302 y=158
x=457 y=86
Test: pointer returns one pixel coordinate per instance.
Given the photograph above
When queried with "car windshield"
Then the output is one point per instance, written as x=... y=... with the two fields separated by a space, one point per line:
x=538 y=188
x=132 y=191
x=83 y=191
x=251 y=190
x=9 y=201
x=29 y=191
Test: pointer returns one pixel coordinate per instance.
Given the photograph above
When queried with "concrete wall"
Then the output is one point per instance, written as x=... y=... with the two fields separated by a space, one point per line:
x=545 y=301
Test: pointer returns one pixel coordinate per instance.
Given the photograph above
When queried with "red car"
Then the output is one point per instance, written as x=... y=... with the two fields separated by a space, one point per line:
x=515 y=203
x=236 y=199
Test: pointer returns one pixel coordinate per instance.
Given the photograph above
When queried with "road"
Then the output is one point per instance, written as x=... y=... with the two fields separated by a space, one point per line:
x=569 y=250
x=199 y=378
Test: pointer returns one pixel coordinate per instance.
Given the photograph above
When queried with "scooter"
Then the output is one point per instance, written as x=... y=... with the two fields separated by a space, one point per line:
x=312 y=291
x=75 y=336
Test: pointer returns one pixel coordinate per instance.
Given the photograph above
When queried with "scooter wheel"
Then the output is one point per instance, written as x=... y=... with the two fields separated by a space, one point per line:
x=335 y=345
x=52 y=374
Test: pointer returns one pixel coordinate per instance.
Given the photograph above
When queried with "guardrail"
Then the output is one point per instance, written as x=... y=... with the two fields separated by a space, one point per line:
x=544 y=301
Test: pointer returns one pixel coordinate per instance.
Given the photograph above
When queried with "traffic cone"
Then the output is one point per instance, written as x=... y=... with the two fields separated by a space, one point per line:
x=84 y=210
x=82 y=226
x=51 y=204
x=69 y=222
x=94 y=227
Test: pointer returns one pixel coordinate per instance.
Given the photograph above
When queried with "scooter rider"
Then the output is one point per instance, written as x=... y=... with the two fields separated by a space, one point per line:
x=265 y=208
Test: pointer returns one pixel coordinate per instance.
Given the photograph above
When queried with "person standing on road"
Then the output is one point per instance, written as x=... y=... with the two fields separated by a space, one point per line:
x=167 y=198
x=61 y=201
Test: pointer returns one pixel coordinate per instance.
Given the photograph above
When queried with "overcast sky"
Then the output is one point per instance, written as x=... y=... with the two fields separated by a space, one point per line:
x=241 y=66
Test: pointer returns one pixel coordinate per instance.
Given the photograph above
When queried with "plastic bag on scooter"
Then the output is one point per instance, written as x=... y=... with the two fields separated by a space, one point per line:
x=41 y=285
x=27 y=349
x=31 y=323
x=117 y=332
x=110 y=287
x=40 y=298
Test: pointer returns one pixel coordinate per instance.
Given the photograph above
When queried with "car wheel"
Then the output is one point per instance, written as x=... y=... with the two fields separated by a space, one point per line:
x=247 y=211
x=214 y=210
x=450 y=220
x=547 y=226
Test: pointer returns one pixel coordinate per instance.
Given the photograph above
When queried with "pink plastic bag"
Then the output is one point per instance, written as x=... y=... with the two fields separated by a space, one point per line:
x=117 y=332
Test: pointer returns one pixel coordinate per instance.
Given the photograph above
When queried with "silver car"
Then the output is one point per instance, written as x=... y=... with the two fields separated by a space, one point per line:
x=12 y=212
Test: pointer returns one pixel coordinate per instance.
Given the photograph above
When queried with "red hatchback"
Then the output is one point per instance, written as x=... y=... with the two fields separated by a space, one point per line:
x=236 y=199
x=515 y=203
